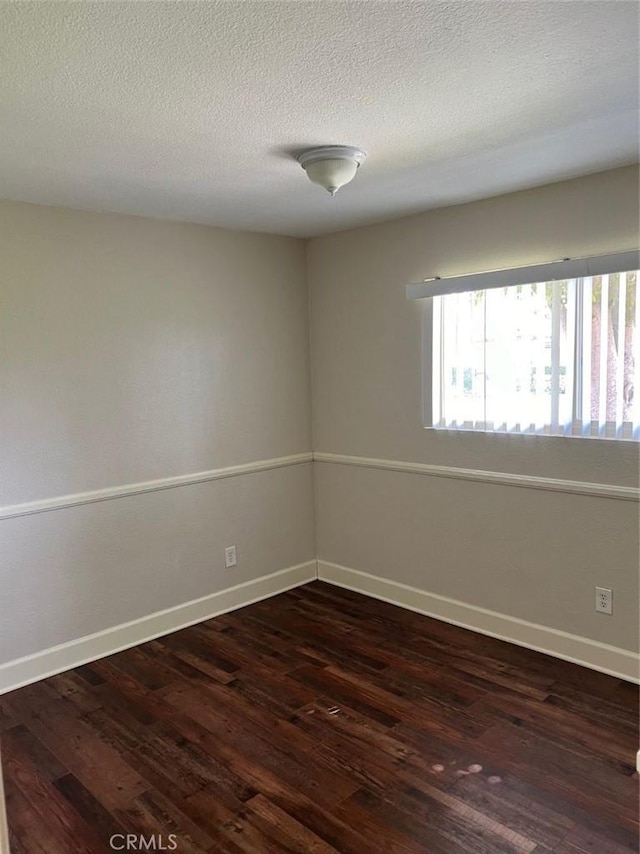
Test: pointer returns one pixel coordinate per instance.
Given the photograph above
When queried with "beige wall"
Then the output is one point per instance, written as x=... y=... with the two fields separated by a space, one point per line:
x=530 y=554
x=133 y=350
x=136 y=349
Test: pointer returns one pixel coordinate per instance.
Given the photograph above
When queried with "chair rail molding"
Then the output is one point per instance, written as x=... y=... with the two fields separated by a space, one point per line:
x=62 y=501
x=526 y=481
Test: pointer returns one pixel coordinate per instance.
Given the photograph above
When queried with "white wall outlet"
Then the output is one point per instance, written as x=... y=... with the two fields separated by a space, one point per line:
x=230 y=556
x=604 y=600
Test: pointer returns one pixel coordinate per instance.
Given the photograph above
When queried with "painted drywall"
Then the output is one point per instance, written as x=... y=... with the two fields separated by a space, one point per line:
x=532 y=555
x=132 y=350
x=135 y=349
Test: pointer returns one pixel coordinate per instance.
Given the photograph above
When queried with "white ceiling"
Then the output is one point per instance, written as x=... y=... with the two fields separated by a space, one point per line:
x=191 y=110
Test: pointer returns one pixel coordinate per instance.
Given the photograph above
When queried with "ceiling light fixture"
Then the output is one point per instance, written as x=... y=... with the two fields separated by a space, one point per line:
x=332 y=166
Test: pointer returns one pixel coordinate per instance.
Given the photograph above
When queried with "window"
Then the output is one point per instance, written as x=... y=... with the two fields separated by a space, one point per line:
x=556 y=358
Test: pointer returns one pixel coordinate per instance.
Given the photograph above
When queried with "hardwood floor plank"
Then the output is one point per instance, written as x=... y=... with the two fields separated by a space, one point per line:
x=377 y=833
x=330 y=684
x=293 y=837
x=72 y=741
x=27 y=744
x=322 y=721
x=152 y=814
x=512 y=808
x=71 y=687
x=7 y=720
x=448 y=820
x=63 y=823
x=89 y=808
x=234 y=705
x=309 y=774
x=577 y=841
x=604 y=712
x=561 y=771
x=613 y=746
x=29 y=832
x=231 y=827
x=548 y=800
x=185 y=666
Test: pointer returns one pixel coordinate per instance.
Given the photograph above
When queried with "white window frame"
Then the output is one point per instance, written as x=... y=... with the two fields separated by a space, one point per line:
x=540 y=273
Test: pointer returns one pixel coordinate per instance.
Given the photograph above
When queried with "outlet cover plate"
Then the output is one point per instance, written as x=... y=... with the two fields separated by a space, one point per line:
x=604 y=600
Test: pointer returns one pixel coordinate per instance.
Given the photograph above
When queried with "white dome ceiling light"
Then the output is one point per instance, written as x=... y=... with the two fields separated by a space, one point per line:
x=332 y=166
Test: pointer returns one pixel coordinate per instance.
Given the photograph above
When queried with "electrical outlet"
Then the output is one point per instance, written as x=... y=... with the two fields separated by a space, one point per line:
x=604 y=600
x=230 y=556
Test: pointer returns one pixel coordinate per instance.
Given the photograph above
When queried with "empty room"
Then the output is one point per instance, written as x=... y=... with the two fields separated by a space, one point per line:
x=319 y=426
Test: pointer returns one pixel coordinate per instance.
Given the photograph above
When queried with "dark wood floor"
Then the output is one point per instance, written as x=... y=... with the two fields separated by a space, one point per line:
x=322 y=721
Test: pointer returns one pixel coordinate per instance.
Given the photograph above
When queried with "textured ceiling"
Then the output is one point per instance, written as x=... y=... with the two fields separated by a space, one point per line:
x=190 y=110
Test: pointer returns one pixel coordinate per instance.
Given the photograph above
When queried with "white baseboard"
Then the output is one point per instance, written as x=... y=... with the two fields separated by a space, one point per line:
x=579 y=650
x=31 y=668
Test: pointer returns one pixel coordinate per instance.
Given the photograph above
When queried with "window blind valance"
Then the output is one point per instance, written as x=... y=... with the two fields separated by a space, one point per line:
x=571 y=268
